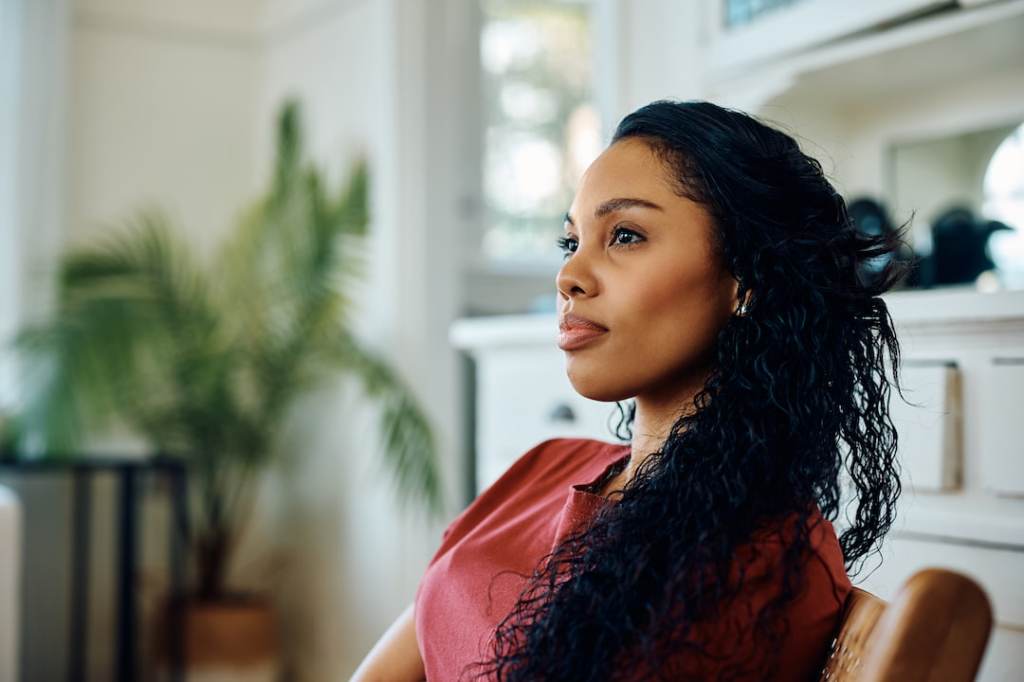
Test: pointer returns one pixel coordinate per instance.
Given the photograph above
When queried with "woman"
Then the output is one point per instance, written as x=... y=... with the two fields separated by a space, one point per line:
x=712 y=274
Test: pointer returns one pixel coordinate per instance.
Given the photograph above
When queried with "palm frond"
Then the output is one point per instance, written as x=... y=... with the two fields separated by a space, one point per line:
x=134 y=333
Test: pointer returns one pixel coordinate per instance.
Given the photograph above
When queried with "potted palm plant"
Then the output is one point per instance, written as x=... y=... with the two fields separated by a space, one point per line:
x=204 y=359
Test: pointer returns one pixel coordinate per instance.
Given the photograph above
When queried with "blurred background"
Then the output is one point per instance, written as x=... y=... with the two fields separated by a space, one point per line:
x=277 y=291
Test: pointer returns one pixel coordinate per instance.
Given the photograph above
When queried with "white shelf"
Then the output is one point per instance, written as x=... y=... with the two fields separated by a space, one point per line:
x=803 y=26
x=928 y=52
x=954 y=305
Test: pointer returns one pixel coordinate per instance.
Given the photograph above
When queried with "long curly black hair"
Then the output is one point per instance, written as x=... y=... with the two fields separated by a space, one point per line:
x=800 y=386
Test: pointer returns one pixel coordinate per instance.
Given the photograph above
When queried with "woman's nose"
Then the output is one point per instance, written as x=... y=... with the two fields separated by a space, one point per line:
x=574 y=277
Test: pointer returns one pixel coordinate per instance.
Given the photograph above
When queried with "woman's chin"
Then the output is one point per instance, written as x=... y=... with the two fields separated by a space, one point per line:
x=594 y=389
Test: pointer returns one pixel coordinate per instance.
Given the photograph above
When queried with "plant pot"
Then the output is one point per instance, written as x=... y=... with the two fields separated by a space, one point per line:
x=234 y=640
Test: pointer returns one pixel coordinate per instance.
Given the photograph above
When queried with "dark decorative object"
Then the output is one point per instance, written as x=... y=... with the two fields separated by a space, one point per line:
x=959 y=248
x=871 y=218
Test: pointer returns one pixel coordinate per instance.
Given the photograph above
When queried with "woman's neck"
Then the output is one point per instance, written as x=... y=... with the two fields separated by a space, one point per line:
x=656 y=412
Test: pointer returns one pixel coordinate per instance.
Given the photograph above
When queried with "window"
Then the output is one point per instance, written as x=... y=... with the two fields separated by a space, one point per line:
x=1003 y=192
x=739 y=12
x=541 y=128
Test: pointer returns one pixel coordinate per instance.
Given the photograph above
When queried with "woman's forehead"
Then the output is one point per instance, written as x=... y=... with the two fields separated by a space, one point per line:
x=631 y=156
x=626 y=169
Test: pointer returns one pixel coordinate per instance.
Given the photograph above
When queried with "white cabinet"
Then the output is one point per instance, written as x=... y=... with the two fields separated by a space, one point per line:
x=523 y=393
x=929 y=429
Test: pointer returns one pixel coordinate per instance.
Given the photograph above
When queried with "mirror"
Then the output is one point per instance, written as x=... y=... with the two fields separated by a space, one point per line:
x=966 y=194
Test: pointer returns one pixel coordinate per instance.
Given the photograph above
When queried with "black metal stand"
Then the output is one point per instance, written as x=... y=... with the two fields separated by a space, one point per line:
x=129 y=473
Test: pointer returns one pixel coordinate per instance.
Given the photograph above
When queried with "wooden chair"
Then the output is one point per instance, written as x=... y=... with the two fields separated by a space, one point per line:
x=936 y=628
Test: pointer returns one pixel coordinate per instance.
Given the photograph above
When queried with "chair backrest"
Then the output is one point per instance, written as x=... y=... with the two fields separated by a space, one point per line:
x=935 y=628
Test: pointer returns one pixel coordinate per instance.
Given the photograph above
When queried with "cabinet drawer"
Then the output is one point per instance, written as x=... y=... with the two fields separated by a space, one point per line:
x=930 y=449
x=1001 y=415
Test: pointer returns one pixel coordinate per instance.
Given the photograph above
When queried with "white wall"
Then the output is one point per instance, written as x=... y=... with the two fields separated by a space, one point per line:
x=161 y=106
x=359 y=69
x=661 y=52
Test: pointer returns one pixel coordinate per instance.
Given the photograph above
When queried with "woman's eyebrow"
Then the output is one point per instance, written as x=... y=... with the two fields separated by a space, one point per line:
x=617 y=204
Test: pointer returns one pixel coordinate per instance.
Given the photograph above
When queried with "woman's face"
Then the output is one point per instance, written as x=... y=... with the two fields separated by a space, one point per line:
x=640 y=263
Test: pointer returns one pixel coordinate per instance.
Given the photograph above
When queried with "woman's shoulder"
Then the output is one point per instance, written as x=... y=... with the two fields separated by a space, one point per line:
x=579 y=447
x=555 y=451
x=578 y=444
x=550 y=460
x=562 y=453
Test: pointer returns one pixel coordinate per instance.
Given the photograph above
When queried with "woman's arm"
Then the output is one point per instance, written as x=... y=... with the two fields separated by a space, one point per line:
x=396 y=656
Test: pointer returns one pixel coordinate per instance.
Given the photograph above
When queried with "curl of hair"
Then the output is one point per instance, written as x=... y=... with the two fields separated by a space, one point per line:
x=798 y=389
x=624 y=428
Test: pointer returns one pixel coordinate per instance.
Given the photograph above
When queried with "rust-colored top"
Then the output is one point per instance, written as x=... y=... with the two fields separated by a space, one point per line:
x=543 y=496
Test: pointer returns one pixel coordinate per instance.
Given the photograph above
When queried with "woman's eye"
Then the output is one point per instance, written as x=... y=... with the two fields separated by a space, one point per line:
x=623 y=230
x=564 y=242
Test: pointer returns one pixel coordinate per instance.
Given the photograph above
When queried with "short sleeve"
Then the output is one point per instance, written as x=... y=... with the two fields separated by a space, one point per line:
x=491 y=496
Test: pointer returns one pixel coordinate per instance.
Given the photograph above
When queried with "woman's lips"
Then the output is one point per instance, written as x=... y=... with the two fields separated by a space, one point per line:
x=572 y=338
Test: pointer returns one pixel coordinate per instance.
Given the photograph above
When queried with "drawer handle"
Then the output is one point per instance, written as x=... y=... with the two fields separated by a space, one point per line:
x=562 y=413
